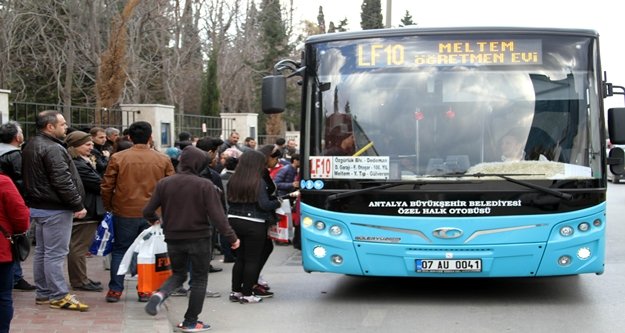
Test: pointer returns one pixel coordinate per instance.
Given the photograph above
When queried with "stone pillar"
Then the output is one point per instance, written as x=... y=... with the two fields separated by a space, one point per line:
x=246 y=124
x=4 y=106
x=161 y=117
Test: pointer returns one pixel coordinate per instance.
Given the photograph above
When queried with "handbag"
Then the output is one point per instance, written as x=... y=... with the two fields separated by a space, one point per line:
x=20 y=245
x=104 y=237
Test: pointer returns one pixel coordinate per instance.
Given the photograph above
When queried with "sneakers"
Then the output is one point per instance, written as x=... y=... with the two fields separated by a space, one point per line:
x=212 y=294
x=250 y=299
x=197 y=327
x=235 y=296
x=263 y=283
x=143 y=297
x=154 y=304
x=113 y=296
x=69 y=302
x=260 y=291
x=23 y=285
x=213 y=269
x=179 y=292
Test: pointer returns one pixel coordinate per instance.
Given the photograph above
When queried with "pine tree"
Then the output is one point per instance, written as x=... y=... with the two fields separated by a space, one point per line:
x=342 y=25
x=210 y=89
x=371 y=15
x=407 y=20
x=274 y=41
x=321 y=21
x=332 y=28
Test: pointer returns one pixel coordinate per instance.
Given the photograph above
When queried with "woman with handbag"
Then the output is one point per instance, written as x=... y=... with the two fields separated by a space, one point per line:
x=79 y=146
x=250 y=207
x=14 y=219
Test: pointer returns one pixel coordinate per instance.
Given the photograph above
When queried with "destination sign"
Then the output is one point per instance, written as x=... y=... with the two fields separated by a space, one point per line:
x=350 y=167
x=449 y=53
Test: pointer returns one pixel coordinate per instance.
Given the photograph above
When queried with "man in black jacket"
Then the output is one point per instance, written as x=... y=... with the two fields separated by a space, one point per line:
x=11 y=138
x=54 y=194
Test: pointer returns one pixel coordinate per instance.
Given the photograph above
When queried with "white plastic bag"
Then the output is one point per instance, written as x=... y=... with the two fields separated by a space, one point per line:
x=153 y=264
x=283 y=230
x=125 y=265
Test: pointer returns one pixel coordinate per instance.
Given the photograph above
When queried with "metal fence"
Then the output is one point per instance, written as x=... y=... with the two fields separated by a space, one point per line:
x=78 y=117
x=84 y=118
x=199 y=126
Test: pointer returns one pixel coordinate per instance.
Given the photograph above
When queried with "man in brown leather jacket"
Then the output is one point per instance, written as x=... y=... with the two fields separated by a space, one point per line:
x=127 y=186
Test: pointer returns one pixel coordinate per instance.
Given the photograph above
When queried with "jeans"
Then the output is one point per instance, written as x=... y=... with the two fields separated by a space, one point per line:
x=126 y=231
x=17 y=271
x=251 y=255
x=195 y=252
x=52 y=237
x=6 y=296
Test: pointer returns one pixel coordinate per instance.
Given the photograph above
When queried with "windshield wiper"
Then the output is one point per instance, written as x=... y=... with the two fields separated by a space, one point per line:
x=336 y=196
x=507 y=177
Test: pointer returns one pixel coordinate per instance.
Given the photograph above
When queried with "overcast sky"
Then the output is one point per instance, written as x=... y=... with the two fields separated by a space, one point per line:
x=604 y=16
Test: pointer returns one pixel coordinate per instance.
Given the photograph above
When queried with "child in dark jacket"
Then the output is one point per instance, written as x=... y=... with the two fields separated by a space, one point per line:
x=188 y=203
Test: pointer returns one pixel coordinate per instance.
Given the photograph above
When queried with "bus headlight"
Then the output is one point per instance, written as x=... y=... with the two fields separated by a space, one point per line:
x=566 y=231
x=564 y=261
x=584 y=226
x=336 y=259
x=319 y=252
x=583 y=253
x=307 y=221
x=320 y=225
x=335 y=230
x=596 y=222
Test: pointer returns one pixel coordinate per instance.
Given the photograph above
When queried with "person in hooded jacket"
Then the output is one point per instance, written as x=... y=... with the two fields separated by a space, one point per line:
x=14 y=219
x=189 y=205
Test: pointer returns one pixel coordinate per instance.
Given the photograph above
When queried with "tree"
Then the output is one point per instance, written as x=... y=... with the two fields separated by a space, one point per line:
x=321 y=21
x=371 y=15
x=210 y=89
x=274 y=41
x=112 y=71
x=407 y=20
x=342 y=25
x=238 y=64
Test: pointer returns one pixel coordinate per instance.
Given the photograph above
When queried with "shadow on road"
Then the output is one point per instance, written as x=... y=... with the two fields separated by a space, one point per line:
x=550 y=290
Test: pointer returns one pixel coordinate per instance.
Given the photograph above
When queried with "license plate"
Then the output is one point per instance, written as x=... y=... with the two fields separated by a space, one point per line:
x=448 y=265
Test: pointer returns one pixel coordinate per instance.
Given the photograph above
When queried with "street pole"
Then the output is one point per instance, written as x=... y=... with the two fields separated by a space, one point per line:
x=389 y=5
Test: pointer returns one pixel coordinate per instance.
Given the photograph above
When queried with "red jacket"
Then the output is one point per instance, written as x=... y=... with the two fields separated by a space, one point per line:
x=14 y=215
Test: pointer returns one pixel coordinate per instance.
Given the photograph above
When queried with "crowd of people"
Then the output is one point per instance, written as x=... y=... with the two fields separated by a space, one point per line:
x=61 y=182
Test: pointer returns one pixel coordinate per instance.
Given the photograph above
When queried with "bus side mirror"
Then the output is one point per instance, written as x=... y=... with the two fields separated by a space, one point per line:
x=616 y=161
x=616 y=125
x=274 y=94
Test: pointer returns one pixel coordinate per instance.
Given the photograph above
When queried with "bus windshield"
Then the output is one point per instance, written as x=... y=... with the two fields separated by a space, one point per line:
x=422 y=107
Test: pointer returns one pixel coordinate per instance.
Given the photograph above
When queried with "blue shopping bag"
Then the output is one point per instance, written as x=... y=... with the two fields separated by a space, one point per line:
x=104 y=236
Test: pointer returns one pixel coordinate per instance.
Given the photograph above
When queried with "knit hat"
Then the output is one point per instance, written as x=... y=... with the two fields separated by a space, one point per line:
x=77 y=139
x=173 y=152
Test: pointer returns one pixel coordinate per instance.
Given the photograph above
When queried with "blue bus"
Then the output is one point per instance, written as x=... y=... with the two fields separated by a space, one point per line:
x=452 y=152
